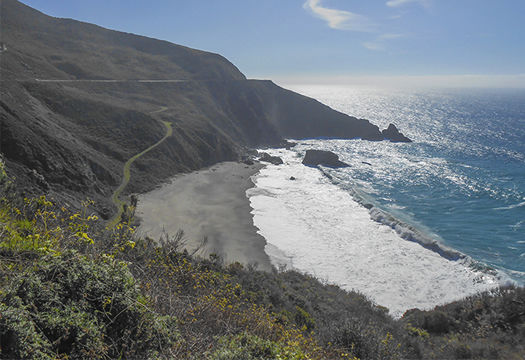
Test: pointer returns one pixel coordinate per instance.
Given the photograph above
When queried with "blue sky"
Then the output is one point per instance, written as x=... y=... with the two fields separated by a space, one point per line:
x=330 y=39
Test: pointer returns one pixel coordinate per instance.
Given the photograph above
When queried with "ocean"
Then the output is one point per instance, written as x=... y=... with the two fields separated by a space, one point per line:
x=410 y=225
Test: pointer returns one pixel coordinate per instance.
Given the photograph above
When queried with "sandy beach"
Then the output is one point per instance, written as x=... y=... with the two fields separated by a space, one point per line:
x=208 y=203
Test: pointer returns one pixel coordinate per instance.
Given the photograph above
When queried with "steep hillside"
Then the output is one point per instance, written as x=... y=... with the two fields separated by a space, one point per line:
x=40 y=46
x=77 y=101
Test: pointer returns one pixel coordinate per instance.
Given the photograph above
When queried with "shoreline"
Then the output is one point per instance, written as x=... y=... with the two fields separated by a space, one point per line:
x=325 y=232
x=209 y=203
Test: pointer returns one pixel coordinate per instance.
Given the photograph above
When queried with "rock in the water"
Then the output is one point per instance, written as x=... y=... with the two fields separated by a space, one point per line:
x=391 y=133
x=287 y=144
x=275 y=160
x=321 y=157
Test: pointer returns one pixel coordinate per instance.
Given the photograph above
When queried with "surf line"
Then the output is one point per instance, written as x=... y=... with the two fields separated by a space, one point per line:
x=127 y=169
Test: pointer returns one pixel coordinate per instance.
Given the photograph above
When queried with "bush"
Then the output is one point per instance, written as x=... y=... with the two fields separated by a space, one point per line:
x=248 y=347
x=435 y=322
x=71 y=305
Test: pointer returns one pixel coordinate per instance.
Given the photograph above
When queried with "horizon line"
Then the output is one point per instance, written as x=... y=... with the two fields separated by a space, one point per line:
x=452 y=81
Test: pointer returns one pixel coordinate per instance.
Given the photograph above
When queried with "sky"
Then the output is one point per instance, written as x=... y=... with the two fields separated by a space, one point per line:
x=442 y=41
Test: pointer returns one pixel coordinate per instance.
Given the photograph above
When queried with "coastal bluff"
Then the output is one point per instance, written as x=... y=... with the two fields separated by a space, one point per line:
x=78 y=101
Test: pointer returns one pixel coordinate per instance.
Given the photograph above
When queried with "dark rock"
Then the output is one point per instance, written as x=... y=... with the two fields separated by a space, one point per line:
x=292 y=178
x=287 y=144
x=275 y=160
x=321 y=157
x=250 y=152
x=133 y=199
x=105 y=213
x=247 y=159
x=392 y=133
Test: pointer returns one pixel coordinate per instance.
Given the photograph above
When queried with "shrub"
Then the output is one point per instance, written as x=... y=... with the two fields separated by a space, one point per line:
x=71 y=305
x=248 y=347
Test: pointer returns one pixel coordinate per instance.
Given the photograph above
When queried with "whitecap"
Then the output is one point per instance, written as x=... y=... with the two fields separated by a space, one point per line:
x=321 y=230
x=510 y=207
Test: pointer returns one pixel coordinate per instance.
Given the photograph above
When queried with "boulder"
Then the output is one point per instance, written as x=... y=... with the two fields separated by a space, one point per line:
x=250 y=153
x=392 y=133
x=275 y=160
x=287 y=144
x=322 y=157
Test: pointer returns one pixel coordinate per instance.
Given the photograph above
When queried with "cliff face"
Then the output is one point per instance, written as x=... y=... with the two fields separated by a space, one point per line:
x=296 y=116
x=72 y=135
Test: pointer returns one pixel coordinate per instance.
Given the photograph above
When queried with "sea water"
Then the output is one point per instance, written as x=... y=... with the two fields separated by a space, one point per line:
x=410 y=225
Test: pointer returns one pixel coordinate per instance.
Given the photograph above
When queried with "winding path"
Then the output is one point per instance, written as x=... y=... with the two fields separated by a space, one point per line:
x=127 y=169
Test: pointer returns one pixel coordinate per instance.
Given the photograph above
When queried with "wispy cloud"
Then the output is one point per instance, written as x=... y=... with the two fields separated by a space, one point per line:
x=396 y=16
x=340 y=19
x=398 y=3
x=379 y=44
x=374 y=46
x=346 y=20
x=390 y=36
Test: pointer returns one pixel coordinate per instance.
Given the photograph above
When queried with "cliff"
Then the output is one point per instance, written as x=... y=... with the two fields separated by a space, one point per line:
x=74 y=107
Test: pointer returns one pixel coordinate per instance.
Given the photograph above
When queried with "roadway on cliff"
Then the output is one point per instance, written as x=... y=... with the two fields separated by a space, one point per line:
x=114 y=81
x=147 y=81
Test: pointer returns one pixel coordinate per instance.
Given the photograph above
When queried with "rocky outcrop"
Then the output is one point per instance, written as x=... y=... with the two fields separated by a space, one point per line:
x=275 y=160
x=392 y=133
x=321 y=157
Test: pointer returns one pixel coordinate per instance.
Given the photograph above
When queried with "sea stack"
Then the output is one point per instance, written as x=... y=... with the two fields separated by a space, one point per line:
x=275 y=160
x=322 y=157
x=392 y=133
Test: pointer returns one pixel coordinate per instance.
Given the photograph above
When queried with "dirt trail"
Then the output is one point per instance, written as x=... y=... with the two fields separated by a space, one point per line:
x=127 y=169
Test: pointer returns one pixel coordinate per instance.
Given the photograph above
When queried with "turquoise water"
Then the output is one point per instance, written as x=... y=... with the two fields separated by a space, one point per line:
x=461 y=182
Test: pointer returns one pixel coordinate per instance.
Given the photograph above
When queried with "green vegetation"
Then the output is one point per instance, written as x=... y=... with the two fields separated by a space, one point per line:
x=70 y=288
x=127 y=170
x=85 y=308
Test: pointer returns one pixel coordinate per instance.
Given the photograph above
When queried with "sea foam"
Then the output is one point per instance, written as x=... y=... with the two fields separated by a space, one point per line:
x=314 y=226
